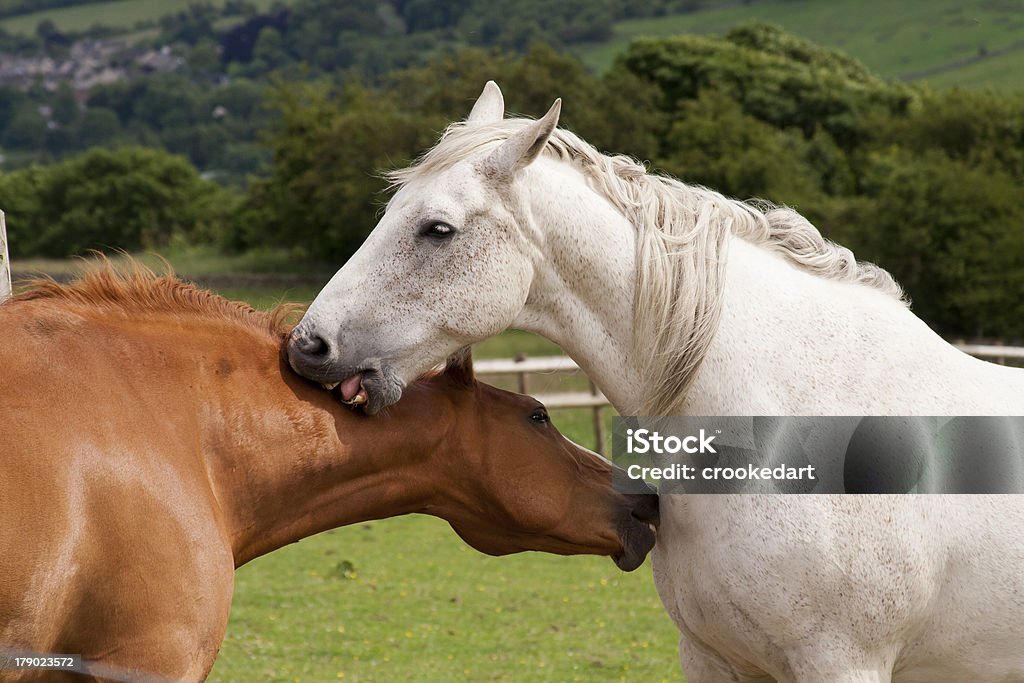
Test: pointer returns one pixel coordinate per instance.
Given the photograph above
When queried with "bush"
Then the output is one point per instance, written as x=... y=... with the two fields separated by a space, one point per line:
x=131 y=198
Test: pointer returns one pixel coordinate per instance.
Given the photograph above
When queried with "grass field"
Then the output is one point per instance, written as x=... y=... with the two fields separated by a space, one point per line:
x=895 y=39
x=122 y=14
x=406 y=600
x=1005 y=69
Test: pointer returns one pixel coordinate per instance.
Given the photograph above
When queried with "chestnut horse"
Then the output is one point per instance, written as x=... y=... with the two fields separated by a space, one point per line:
x=153 y=439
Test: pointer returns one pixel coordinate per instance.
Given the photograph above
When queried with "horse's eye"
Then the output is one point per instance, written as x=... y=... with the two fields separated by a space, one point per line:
x=540 y=416
x=437 y=229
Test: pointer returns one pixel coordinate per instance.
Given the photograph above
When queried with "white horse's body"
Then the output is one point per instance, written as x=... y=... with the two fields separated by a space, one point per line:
x=844 y=588
x=793 y=588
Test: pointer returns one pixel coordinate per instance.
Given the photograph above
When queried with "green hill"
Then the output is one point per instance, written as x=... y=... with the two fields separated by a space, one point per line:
x=117 y=14
x=945 y=42
x=968 y=43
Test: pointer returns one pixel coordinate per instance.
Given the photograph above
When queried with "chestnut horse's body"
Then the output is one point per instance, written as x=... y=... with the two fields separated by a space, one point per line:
x=152 y=440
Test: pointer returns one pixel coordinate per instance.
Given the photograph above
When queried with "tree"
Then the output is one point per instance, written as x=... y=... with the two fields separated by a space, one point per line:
x=714 y=143
x=777 y=78
x=65 y=106
x=131 y=199
x=25 y=130
x=324 y=188
x=98 y=126
x=203 y=59
x=949 y=232
x=191 y=25
x=269 y=52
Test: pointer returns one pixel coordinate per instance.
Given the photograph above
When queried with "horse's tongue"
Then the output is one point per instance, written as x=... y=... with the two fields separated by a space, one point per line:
x=350 y=387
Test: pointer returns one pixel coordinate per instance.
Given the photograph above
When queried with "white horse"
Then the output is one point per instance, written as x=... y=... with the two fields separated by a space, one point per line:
x=677 y=300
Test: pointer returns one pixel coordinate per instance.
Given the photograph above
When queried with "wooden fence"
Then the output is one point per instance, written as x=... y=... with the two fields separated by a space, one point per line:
x=521 y=369
x=996 y=353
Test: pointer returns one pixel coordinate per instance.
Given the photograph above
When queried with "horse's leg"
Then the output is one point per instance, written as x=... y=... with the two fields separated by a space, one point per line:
x=702 y=666
x=842 y=669
x=847 y=676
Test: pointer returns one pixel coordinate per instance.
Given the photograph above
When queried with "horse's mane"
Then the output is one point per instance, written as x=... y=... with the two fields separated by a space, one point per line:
x=681 y=238
x=138 y=290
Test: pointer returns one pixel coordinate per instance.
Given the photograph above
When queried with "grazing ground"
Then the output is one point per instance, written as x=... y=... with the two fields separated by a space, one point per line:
x=918 y=39
x=406 y=600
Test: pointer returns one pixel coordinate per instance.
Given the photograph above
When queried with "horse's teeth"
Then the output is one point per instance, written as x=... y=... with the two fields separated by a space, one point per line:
x=330 y=386
x=358 y=399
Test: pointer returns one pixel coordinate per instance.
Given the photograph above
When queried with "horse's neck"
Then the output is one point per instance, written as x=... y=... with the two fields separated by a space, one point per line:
x=788 y=341
x=582 y=294
x=791 y=342
x=286 y=461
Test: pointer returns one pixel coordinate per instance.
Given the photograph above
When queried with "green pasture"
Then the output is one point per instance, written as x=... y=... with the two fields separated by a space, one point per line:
x=1004 y=69
x=895 y=39
x=120 y=14
x=405 y=599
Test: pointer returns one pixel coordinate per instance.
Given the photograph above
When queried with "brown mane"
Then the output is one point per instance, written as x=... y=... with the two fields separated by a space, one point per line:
x=139 y=290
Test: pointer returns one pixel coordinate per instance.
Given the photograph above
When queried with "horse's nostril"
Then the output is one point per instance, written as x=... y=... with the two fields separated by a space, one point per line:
x=645 y=508
x=310 y=345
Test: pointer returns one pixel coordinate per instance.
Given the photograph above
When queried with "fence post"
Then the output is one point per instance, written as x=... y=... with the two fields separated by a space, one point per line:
x=5 y=262
x=598 y=421
x=521 y=375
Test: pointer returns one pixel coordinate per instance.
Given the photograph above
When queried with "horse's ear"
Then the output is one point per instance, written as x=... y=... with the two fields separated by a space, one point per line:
x=459 y=367
x=522 y=148
x=489 y=107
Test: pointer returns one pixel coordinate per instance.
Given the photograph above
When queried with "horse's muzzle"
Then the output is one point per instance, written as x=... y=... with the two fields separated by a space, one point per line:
x=637 y=530
x=312 y=356
x=317 y=359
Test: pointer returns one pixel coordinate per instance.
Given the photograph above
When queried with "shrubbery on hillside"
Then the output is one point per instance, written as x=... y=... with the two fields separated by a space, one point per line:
x=131 y=198
x=926 y=183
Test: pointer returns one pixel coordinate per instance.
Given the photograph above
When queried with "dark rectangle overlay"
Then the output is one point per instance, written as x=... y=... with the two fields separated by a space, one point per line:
x=821 y=454
x=33 y=661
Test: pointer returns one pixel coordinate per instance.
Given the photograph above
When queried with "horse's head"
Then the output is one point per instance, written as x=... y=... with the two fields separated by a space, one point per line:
x=451 y=262
x=508 y=481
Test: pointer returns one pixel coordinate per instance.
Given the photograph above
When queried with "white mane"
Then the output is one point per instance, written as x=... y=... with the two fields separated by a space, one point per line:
x=681 y=235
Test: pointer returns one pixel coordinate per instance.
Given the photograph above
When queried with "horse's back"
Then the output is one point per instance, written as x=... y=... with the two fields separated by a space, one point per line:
x=109 y=524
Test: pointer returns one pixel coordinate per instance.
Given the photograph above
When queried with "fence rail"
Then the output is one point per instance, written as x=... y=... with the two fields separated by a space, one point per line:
x=995 y=352
x=597 y=401
x=522 y=368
